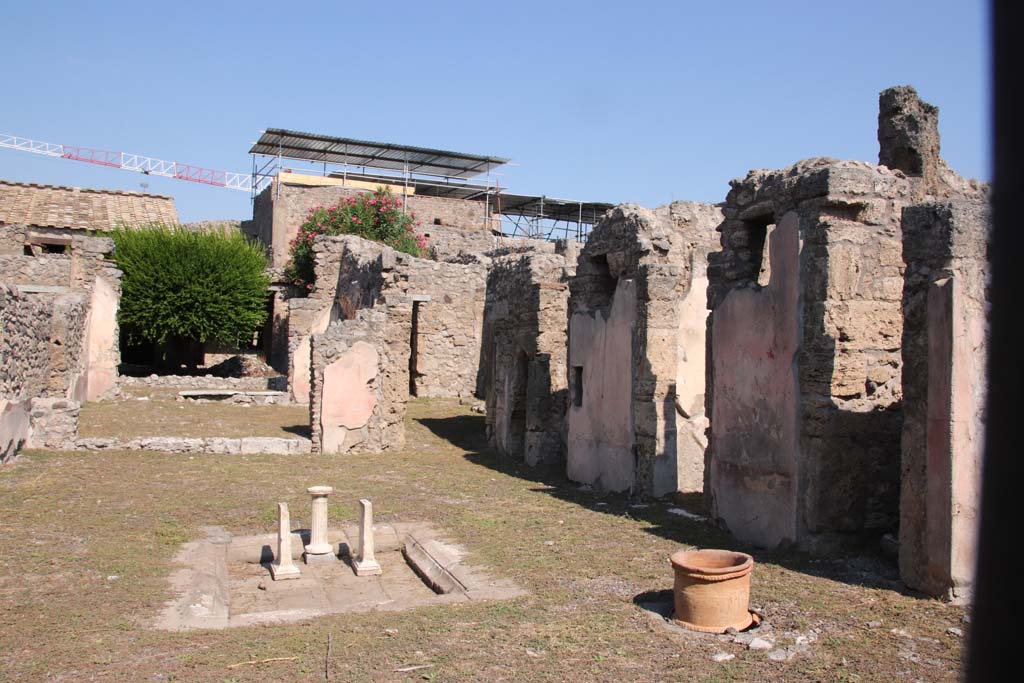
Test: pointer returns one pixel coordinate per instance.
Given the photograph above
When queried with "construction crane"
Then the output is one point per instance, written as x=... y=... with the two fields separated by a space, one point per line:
x=133 y=162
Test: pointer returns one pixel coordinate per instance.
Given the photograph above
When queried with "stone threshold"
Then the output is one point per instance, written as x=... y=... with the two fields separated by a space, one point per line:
x=233 y=396
x=212 y=445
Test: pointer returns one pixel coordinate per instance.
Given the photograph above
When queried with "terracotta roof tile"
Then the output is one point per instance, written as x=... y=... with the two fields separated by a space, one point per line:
x=52 y=206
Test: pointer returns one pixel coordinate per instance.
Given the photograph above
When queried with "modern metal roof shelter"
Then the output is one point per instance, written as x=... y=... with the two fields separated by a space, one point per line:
x=446 y=174
x=290 y=144
x=550 y=208
x=526 y=215
x=433 y=187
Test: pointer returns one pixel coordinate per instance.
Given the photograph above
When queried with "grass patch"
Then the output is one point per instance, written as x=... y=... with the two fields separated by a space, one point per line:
x=72 y=521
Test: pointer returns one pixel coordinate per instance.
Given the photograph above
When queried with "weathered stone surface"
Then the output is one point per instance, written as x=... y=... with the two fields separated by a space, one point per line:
x=347 y=401
x=600 y=421
x=446 y=300
x=522 y=361
x=212 y=445
x=754 y=419
x=54 y=423
x=58 y=326
x=101 y=345
x=908 y=133
x=636 y=349
x=14 y=427
x=283 y=568
x=380 y=380
x=836 y=470
x=945 y=304
x=365 y=561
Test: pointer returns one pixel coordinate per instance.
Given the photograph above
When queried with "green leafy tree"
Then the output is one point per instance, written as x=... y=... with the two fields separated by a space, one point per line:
x=190 y=287
x=376 y=216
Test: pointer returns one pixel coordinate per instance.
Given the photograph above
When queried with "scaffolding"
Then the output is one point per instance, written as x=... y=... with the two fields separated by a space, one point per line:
x=425 y=172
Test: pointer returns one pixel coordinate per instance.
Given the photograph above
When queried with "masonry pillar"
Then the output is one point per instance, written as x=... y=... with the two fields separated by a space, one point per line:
x=945 y=302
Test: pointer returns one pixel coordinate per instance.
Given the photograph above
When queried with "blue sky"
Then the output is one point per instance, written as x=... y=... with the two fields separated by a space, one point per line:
x=642 y=101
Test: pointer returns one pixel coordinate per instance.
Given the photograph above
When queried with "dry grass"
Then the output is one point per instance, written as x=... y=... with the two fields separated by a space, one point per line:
x=163 y=415
x=124 y=515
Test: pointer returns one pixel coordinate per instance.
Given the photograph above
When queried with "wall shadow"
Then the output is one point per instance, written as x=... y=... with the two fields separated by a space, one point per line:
x=859 y=564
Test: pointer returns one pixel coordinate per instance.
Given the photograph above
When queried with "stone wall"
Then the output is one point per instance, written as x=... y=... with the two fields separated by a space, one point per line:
x=447 y=309
x=450 y=225
x=634 y=343
x=360 y=381
x=41 y=330
x=804 y=383
x=804 y=378
x=58 y=336
x=945 y=307
x=53 y=270
x=523 y=355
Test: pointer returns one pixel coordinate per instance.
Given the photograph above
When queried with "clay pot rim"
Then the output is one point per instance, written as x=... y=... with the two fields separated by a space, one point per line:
x=686 y=560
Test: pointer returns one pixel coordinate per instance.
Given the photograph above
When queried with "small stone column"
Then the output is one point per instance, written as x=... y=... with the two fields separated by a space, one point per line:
x=318 y=550
x=366 y=564
x=282 y=567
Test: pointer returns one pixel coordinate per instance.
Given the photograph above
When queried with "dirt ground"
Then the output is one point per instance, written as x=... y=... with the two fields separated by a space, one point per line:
x=86 y=541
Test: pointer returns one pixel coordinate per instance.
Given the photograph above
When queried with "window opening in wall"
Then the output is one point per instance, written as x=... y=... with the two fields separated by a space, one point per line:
x=604 y=282
x=414 y=347
x=437 y=221
x=55 y=248
x=758 y=231
x=577 y=386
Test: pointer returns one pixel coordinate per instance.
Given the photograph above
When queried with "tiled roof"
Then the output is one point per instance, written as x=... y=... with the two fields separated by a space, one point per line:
x=50 y=206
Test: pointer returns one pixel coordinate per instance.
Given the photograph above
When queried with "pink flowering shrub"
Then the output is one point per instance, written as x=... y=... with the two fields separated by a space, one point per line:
x=377 y=216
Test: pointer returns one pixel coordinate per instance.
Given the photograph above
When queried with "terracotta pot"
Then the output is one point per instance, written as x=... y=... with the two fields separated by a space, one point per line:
x=712 y=589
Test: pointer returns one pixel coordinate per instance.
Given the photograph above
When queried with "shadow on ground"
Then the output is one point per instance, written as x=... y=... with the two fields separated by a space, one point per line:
x=858 y=563
x=302 y=430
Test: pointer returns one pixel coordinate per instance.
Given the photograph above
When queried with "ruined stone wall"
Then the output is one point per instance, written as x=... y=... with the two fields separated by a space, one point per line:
x=447 y=300
x=804 y=375
x=261 y=227
x=53 y=270
x=447 y=322
x=945 y=307
x=630 y=347
x=41 y=330
x=86 y=354
x=360 y=381
x=523 y=355
x=804 y=383
x=58 y=337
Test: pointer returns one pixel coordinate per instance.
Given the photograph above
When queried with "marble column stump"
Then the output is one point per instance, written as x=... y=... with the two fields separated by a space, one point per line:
x=282 y=567
x=319 y=550
x=365 y=563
